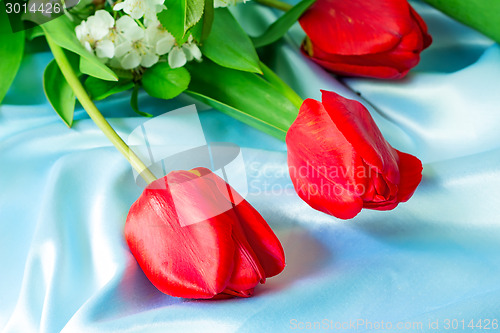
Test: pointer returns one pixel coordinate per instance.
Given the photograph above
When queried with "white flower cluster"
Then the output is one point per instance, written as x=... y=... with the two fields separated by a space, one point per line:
x=129 y=43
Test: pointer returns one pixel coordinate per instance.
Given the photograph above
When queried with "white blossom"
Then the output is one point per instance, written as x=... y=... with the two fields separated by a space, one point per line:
x=133 y=50
x=94 y=32
x=127 y=29
x=177 y=57
x=136 y=39
x=191 y=50
x=139 y=8
x=187 y=52
x=159 y=38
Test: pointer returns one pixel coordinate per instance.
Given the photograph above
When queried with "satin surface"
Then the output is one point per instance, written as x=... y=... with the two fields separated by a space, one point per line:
x=65 y=194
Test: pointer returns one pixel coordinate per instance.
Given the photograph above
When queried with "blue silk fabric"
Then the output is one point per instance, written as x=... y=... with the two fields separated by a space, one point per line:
x=432 y=262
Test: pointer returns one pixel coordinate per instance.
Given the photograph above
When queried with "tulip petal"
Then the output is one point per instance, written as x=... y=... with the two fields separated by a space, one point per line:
x=410 y=169
x=344 y=205
x=423 y=27
x=393 y=64
x=340 y=134
x=385 y=205
x=363 y=70
x=247 y=271
x=356 y=27
x=252 y=229
x=264 y=242
x=358 y=127
x=322 y=163
x=401 y=172
x=193 y=261
x=381 y=39
x=231 y=293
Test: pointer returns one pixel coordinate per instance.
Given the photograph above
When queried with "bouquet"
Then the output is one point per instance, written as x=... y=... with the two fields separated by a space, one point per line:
x=212 y=243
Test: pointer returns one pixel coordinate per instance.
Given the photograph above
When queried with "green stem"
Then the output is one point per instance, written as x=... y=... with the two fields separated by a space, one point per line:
x=140 y=24
x=276 y=4
x=282 y=87
x=95 y=114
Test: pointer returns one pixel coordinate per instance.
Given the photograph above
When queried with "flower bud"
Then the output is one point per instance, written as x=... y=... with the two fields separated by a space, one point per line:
x=195 y=237
x=376 y=38
x=339 y=162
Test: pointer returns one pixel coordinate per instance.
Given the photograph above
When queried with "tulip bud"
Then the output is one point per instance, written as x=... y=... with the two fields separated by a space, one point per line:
x=376 y=38
x=195 y=237
x=339 y=162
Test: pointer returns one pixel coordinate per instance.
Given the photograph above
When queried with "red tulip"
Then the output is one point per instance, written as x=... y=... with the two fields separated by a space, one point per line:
x=339 y=161
x=195 y=237
x=375 y=38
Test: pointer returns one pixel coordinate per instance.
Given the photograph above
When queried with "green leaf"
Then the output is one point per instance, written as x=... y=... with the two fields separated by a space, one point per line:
x=74 y=61
x=59 y=93
x=482 y=15
x=173 y=18
x=134 y=102
x=283 y=24
x=229 y=46
x=10 y=22
x=242 y=95
x=34 y=32
x=194 y=12
x=11 y=54
x=91 y=68
x=101 y=89
x=201 y=30
x=180 y=16
x=197 y=31
x=161 y=81
x=123 y=73
x=62 y=31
